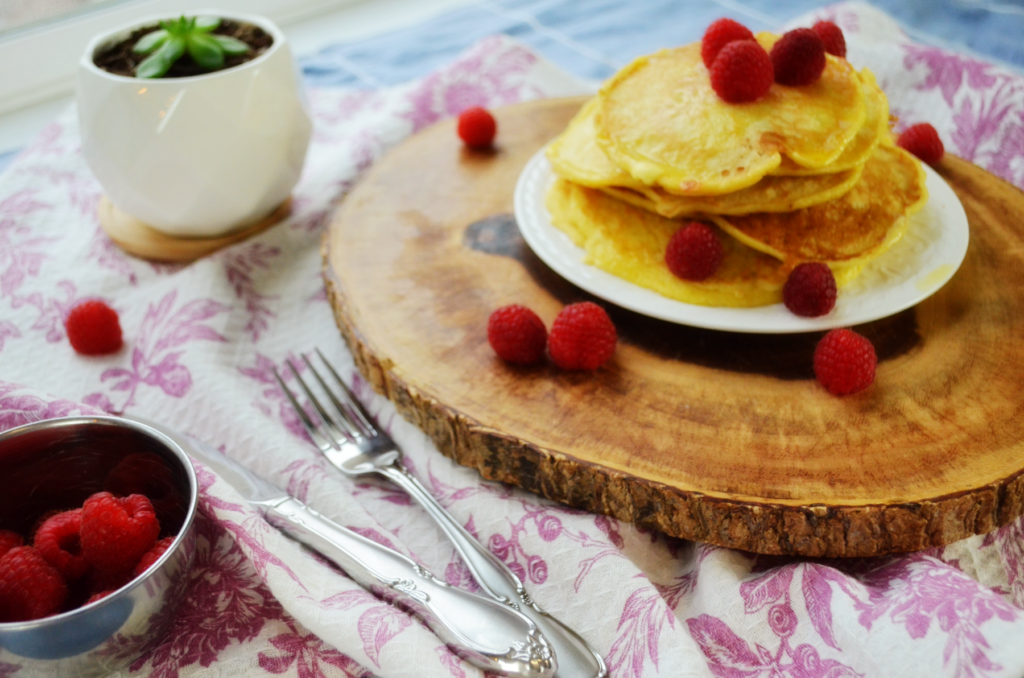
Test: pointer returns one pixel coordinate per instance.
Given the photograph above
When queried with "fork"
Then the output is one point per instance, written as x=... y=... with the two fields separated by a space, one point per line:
x=353 y=442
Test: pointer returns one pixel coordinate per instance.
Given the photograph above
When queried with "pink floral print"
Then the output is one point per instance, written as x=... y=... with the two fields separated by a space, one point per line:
x=376 y=625
x=271 y=400
x=915 y=592
x=224 y=584
x=486 y=76
x=240 y=266
x=153 y=362
x=308 y=654
x=984 y=102
x=202 y=340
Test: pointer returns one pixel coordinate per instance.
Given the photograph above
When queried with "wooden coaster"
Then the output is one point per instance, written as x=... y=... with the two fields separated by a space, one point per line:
x=142 y=240
x=715 y=436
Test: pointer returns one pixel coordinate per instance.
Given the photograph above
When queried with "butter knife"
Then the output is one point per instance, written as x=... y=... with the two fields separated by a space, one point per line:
x=484 y=632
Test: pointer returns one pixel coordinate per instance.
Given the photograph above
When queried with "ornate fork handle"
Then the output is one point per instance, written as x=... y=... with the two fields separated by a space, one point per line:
x=484 y=632
x=575 y=658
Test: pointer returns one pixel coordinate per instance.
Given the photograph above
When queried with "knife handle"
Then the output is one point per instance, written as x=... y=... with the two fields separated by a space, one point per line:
x=576 y=659
x=486 y=633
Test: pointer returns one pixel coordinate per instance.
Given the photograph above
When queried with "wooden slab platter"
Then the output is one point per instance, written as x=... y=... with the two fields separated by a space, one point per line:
x=713 y=436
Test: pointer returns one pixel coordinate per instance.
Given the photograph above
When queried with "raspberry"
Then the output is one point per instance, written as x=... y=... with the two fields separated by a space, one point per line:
x=832 y=37
x=153 y=555
x=742 y=72
x=116 y=532
x=8 y=540
x=93 y=328
x=58 y=542
x=582 y=337
x=29 y=587
x=97 y=582
x=798 y=58
x=517 y=335
x=477 y=127
x=694 y=252
x=844 y=362
x=143 y=473
x=98 y=596
x=810 y=290
x=719 y=34
x=923 y=141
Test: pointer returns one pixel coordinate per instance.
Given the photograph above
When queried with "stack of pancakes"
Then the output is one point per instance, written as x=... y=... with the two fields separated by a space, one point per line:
x=803 y=174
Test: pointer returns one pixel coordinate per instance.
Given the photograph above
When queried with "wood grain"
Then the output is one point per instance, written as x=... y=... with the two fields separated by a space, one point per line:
x=714 y=436
x=142 y=240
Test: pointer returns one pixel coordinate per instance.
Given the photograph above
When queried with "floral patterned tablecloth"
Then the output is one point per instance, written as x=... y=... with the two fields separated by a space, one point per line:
x=202 y=339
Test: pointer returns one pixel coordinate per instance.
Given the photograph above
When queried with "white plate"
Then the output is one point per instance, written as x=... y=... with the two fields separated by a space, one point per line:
x=915 y=268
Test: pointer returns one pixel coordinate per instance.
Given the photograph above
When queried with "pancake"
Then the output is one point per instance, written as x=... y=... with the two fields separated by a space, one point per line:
x=771 y=194
x=660 y=120
x=630 y=243
x=576 y=156
x=857 y=152
x=846 y=232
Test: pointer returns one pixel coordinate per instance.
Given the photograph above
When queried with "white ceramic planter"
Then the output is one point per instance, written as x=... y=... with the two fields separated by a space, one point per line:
x=198 y=156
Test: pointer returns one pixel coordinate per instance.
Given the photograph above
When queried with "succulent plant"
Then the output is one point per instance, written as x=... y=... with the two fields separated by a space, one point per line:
x=187 y=34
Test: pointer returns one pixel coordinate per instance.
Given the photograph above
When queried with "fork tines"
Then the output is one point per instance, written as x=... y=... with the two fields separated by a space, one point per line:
x=349 y=422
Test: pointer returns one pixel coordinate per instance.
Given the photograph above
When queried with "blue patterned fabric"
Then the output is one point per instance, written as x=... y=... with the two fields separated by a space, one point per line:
x=6 y=158
x=592 y=39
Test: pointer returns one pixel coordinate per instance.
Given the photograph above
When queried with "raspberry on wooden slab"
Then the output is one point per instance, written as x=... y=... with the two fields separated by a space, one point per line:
x=477 y=127
x=844 y=362
x=582 y=337
x=517 y=334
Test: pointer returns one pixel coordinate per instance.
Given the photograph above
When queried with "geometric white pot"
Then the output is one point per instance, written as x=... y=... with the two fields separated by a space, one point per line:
x=198 y=156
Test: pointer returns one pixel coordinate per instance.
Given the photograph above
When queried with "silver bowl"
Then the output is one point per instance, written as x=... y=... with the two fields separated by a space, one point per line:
x=57 y=464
